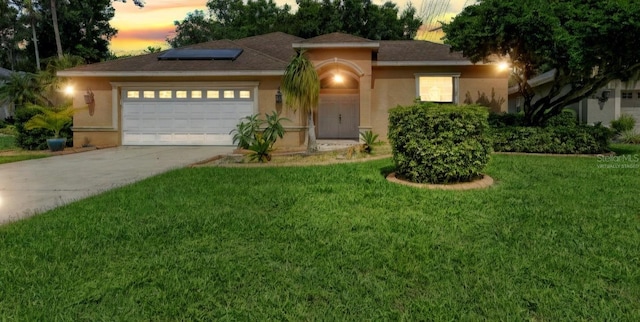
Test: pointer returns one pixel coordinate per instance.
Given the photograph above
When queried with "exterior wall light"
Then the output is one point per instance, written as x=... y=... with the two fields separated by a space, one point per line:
x=278 y=96
x=90 y=101
x=603 y=98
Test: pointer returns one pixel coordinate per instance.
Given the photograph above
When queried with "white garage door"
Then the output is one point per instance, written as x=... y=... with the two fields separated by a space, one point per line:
x=183 y=117
x=631 y=105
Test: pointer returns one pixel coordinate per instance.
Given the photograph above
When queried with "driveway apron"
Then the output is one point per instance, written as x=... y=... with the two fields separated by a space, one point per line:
x=34 y=186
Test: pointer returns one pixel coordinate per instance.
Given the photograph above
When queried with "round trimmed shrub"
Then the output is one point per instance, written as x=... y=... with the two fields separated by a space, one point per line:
x=434 y=143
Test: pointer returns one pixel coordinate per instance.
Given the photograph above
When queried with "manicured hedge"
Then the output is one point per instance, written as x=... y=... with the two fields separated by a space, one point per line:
x=434 y=143
x=561 y=134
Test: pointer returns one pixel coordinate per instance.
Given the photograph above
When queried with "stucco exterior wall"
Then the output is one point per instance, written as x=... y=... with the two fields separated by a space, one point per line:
x=103 y=128
x=393 y=86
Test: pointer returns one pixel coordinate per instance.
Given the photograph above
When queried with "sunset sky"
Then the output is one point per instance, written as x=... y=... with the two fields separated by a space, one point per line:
x=139 y=28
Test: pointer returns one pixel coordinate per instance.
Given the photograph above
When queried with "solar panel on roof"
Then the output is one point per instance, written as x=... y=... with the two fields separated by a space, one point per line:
x=201 y=54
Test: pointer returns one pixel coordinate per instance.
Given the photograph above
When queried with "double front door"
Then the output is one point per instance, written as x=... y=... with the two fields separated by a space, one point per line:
x=338 y=116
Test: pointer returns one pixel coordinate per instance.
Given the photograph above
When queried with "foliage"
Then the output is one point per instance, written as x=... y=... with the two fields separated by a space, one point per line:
x=244 y=133
x=238 y=19
x=22 y=89
x=50 y=118
x=261 y=149
x=33 y=139
x=369 y=139
x=253 y=136
x=439 y=143
x=556 y=239
x=301 y=90
x=630 y=137
x=570 y=39
x=274 y=128
x=624 y=123
x=9 y=129
x=560 y=134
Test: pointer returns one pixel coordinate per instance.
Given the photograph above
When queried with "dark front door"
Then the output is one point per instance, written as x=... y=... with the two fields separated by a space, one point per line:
x=338 y=116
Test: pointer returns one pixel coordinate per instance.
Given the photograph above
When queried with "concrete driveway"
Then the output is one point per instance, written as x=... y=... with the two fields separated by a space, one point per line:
x=34 y=186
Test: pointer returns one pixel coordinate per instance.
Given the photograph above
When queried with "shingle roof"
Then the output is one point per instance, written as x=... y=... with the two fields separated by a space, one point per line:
x=336 y=37
x=269 y=54
x=416 y=51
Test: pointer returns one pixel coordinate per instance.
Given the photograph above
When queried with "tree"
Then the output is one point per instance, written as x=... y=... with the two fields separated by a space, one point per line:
x=21 y=89
x=236 y=19
x=301 y=90
x=32 y=16
x=11 y=32
x=85 y=29
x=586 y=45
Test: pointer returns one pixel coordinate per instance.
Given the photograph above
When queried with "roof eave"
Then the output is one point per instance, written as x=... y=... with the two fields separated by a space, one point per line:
x=71 y=73
x=424 y=63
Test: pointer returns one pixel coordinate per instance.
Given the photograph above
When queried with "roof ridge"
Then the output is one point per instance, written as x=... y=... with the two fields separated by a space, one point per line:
x=246 y=47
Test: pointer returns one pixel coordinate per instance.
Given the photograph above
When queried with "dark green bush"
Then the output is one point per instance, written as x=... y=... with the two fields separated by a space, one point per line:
x=576 y=139
x=565 y=118
x=560 y=134
x=35 y=139
x=624 y=123
x=434 y=143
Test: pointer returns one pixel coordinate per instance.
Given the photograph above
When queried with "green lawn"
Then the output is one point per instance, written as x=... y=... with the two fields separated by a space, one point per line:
x=556 y=239
x=20 y=157
x=7 y=142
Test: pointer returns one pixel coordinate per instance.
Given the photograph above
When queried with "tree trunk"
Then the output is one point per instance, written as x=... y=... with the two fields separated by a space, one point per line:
x=312 y=146
x=56 y=32
x=35 y=43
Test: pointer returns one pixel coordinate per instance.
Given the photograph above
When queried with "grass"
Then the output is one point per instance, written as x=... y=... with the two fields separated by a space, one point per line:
x=7 y=142
x=20 y=157
x=556 y=239
x=11 y=153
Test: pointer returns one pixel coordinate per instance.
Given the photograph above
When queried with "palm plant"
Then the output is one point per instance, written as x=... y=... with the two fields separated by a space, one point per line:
x=301 y=90
x=53 y=119
x=21 y=89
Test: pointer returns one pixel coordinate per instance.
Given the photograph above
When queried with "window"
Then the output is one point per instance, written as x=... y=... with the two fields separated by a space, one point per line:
x=164 y=94
x=245 y=94
x=213 y=94
x=438 y=88
x=149 y=94
x=133 y=94
x=229 y=94
x=627 y=95
x=196 y=94
x=181 y=94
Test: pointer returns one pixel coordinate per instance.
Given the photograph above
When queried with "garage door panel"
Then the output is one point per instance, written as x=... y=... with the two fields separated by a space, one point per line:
x=183 y=123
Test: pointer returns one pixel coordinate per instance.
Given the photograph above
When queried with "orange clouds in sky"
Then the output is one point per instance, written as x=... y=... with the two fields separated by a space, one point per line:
x=139 y=28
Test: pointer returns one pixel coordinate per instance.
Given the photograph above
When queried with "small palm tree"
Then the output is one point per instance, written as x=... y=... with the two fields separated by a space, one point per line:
x=21 y=89
x=301 y=90
x=53 y=119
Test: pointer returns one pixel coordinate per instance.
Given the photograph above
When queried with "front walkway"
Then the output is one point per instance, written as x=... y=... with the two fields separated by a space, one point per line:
x=31 y=187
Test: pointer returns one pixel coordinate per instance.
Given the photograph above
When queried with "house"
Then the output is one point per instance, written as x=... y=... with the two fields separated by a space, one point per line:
x=5 y=107
x=608 y=104
x=197 y=94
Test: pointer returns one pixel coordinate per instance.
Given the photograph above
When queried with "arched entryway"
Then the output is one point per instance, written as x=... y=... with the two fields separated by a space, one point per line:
x=338 y=111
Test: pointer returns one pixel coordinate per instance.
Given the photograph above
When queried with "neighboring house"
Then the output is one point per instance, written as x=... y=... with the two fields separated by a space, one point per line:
x=197 y=94
x=606 y=105
x=5 y=107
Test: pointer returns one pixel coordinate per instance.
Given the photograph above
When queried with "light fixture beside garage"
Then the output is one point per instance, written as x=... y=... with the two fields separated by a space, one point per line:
x=278 y=96
x=90 y=101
